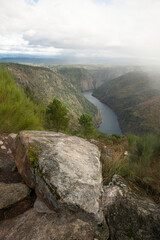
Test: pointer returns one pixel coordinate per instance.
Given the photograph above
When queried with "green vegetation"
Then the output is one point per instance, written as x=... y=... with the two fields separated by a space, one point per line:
x=33 y=155
x=141 y=165
x=17 y=112
x=87 y=125
x=45 y=84
x=144 y=159
x=21 y=110
x=57 y=116
x=31 y=95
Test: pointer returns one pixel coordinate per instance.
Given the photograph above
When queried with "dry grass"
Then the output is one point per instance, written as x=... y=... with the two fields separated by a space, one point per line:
x=141 y=166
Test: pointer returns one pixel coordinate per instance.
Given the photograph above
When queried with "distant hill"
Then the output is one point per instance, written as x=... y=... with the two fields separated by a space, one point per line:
x=135 y=98
x=48 y=84
x=78 y=76
x=36 y=60
x=89 y=77
x=103 y=74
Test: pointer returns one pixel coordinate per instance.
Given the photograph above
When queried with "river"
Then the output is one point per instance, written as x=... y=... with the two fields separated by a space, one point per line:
x=110 y=124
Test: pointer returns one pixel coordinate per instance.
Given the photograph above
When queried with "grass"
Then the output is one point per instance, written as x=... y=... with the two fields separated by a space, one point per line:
x=144 y=160
x=141 y=166
x=17 y=112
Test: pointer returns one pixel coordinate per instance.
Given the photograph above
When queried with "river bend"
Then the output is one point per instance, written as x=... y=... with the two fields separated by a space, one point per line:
x=110 y=124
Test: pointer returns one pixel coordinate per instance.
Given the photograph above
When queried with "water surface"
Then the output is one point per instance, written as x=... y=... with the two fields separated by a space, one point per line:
x=110 y=124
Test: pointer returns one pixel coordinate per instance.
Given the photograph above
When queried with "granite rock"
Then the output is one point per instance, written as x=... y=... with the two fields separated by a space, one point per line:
x=12 y=193
x=130 y=213
x=65 y=171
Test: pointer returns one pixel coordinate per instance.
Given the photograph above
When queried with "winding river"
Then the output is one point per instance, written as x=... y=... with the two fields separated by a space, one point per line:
x=110 y=124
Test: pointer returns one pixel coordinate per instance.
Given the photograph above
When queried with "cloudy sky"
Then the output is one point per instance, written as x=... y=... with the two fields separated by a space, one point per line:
x=103 y=28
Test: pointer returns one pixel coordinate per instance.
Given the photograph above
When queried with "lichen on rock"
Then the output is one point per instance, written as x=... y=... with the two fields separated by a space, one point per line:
x=65 y=171
x=130 y=213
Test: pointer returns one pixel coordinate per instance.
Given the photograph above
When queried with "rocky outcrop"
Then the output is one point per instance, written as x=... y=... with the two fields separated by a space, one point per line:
x=65 y=171
x=130 y=213
x=15 y=197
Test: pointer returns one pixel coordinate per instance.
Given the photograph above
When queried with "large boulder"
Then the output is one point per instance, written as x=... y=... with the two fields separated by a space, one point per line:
x=65 y=171
x=130 y=213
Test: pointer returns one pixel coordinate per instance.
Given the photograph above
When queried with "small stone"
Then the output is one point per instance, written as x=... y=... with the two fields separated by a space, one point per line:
x=11 y=141
x=9 y=151
x=1 y=143
x=3 y=147
x=126 y=153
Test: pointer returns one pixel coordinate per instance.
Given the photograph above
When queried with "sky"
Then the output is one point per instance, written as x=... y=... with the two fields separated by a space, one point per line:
x=81 y=28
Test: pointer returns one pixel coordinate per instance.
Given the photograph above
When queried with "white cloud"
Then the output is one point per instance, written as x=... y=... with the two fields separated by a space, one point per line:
x=112 y=28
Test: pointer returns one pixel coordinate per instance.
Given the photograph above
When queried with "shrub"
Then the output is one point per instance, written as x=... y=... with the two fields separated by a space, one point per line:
x=141 y=166
x=144 y=160
x=56 y=115
x=17 y=112
x=87 y=125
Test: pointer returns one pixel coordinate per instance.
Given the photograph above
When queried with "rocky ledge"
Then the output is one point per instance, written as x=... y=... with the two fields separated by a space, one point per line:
x=65 y=173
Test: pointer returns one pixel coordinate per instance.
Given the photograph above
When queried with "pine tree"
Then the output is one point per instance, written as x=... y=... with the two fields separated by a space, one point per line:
x=57 y=115
x=87 y=125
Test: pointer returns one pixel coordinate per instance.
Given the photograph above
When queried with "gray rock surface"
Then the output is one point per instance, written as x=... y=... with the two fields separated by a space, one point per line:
x=39 y=226
x=41 y=207
x=12 y=193
x=11 y=140
x=130 y=213
x=65 y=171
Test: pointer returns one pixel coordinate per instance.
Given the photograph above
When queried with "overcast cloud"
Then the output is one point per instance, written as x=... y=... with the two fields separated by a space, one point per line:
x=110 y=28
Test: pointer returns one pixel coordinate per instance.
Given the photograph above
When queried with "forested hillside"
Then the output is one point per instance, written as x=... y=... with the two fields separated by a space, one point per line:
x=136 y=101
x=48 y=84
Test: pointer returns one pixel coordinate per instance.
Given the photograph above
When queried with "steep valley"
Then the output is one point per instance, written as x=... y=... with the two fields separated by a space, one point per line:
x=135 y=100
x=78 y=76
x=133 y=95
x=85 y=77
x=48 y=84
